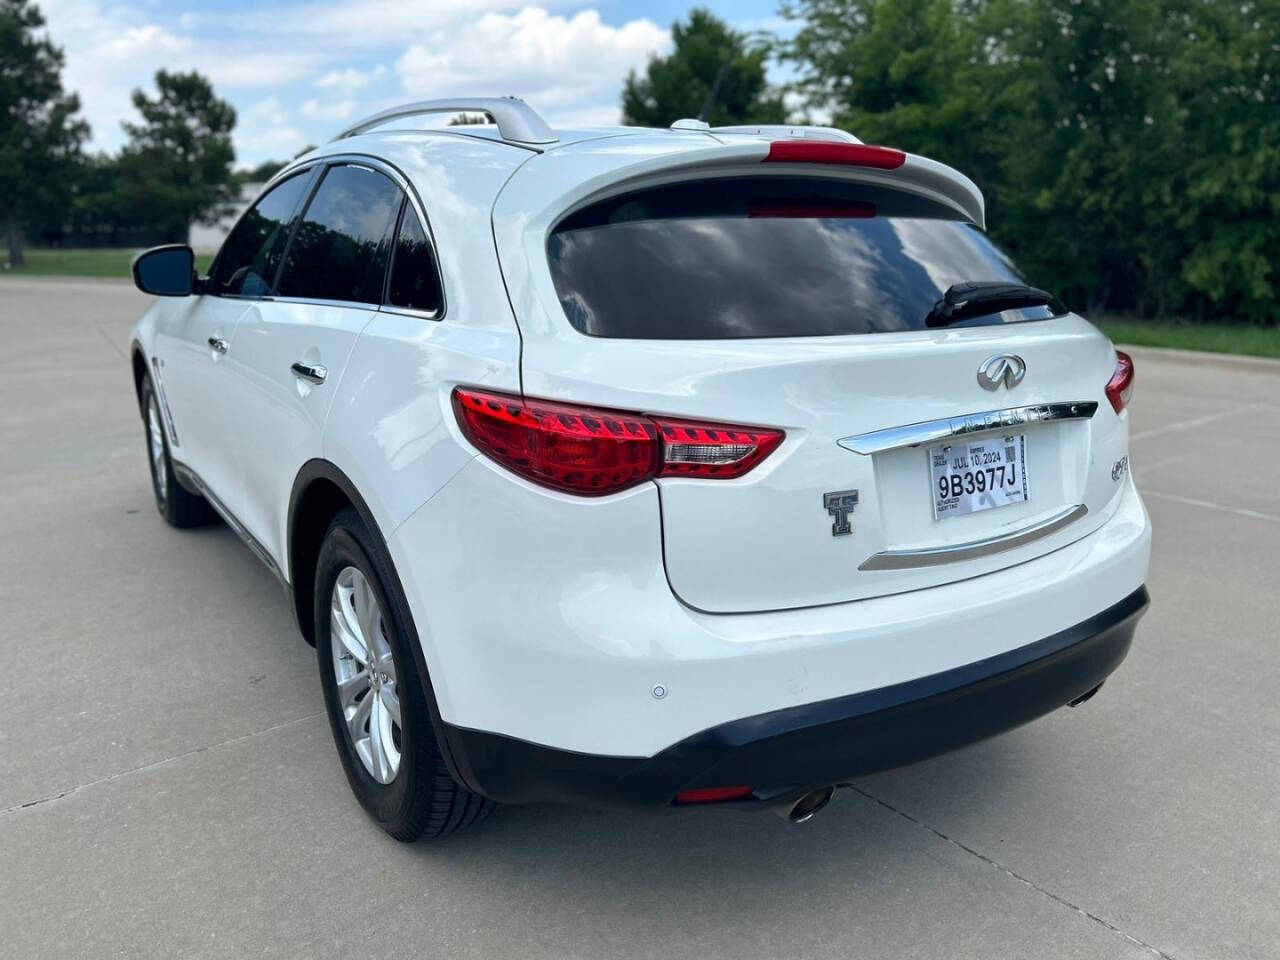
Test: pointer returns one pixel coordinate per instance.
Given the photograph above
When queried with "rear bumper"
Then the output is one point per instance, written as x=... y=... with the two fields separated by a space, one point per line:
x=784 y=753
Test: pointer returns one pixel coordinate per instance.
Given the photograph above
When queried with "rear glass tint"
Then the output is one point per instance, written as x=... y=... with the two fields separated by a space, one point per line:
x=767 y=257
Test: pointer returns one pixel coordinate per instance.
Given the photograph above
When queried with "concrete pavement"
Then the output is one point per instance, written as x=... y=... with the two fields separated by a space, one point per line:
x=168 y=786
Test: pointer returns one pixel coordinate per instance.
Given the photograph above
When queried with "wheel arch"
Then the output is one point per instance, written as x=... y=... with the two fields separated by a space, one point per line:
x=320 y=490
x=138 y=358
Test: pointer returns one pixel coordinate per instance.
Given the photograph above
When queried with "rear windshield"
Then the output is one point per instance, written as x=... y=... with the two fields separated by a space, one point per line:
x=767 y=257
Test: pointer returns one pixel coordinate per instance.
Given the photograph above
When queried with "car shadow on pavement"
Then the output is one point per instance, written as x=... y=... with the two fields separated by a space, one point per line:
x=858 y=843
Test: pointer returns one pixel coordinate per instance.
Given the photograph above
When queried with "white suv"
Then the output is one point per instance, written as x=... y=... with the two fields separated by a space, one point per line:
x=659 y=468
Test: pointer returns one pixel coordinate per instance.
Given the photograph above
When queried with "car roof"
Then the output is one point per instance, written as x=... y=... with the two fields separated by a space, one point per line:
x=555 y=163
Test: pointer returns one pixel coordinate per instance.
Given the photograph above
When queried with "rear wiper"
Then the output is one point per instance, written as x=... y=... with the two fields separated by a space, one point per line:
x=978 y=298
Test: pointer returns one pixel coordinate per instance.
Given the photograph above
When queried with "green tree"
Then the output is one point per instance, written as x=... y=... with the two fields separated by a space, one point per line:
x=261 y=173
x=1129 y=150
x=176 y=167
x=40 y=134
x=712 y=67
x=913 y=74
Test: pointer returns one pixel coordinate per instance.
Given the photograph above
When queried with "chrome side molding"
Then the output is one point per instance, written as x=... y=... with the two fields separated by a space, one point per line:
x=914 y=434
x=193 y=482
x=933 y=556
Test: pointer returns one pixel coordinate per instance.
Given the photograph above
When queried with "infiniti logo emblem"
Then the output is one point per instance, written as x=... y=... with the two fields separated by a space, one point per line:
x=1006 y=368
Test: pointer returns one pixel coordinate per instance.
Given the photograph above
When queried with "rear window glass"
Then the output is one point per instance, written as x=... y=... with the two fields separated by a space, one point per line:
x=767 y=257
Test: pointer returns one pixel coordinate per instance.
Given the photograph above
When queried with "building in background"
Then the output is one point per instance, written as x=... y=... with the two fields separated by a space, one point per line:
x=207 y=238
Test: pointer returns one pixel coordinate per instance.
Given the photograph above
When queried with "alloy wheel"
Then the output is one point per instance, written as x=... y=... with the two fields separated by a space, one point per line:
x=155 y=442
x=365 y=675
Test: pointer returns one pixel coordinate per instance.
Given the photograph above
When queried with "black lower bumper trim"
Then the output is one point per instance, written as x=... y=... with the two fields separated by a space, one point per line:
x=784 y=753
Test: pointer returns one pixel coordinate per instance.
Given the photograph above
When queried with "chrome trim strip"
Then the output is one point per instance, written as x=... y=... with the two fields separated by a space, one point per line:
x=189 y=478
x=166 y=413
x=933 y=556
x=914 y=434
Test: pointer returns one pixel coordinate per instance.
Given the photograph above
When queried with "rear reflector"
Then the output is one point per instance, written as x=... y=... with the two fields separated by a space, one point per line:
x=849 y=154
x=713 y=794
x=592 y=451
x=1120 y=387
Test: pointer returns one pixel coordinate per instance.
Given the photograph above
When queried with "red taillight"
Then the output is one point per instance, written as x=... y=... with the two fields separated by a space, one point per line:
x=569 y=448
x=849 y=154
x=713 y=794
x=591 y=451
x=1120 y=387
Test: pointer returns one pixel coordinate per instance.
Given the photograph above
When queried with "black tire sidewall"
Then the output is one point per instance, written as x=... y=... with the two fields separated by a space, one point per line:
x=163 y=503
x=348 y=544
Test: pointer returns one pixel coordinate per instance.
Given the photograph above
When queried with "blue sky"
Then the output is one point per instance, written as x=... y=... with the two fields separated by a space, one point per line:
x=298 y=70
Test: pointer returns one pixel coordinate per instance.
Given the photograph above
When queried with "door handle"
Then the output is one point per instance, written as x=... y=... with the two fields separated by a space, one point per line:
x=218 y=344
x=311 y=372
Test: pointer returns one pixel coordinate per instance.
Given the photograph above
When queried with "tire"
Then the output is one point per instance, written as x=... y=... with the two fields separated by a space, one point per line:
x=395 y=768
x=178 y=505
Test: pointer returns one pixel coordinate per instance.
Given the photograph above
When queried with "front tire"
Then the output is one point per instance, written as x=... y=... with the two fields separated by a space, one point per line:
x=377 y=703
x=178 y=505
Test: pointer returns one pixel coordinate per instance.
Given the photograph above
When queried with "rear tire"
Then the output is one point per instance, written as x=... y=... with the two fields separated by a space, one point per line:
x=178 y=505
x=376 y=701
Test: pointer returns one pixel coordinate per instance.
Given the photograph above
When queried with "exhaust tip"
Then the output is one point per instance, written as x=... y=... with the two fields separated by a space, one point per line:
x=1085 y=697
x=808 y=805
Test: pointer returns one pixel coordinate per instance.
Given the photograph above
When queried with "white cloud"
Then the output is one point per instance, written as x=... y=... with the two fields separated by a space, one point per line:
x=562 y=65
x=350 y=79
x=328 y=109
x=111 y=50
x=367 y=24
x=322 y=62
x=266 y=130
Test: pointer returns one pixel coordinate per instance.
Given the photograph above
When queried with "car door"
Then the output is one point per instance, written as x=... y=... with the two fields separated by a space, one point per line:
x=192 y=348
x=290 y=352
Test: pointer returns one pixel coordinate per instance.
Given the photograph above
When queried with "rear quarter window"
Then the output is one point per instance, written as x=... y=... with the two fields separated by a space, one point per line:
x=767 y=257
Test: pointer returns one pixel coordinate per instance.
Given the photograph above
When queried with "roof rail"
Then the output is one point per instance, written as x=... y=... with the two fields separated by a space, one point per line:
x=790 y=130
x=517 y=121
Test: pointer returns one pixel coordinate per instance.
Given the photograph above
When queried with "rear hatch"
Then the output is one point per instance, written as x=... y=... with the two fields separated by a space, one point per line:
x=800 y=302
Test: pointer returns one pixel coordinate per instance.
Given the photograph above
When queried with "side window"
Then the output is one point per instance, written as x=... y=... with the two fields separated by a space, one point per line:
x=251 y=252
x=341 y=247
x=414 y=281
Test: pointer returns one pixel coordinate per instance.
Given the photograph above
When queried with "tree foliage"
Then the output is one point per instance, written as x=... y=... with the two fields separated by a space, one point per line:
x=1129 y=150
x=176 y=168
x=711 y=65
x=40 y=133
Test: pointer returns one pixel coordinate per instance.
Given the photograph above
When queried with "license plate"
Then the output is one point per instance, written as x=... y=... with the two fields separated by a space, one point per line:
x=978 y=475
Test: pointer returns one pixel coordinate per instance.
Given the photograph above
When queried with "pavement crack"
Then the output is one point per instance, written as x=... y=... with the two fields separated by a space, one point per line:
x=110 y=343
x=143 y=768
x=1196 y=421
x=1210 y=505
x=1056 y=898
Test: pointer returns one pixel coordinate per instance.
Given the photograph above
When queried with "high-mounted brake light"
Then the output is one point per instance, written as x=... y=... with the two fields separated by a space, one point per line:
x=849 y=154
x=1120 y=387
x=591 y=451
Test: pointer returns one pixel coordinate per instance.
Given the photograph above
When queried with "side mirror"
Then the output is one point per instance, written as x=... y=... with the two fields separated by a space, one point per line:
x=167 y=271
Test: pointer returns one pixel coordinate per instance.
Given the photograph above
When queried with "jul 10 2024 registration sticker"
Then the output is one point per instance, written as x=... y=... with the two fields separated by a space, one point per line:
x=980 y=475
